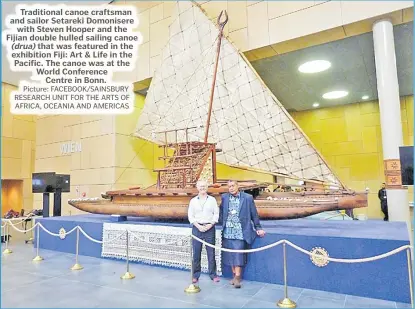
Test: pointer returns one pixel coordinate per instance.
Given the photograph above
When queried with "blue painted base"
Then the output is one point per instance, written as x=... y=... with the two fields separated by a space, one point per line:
x=383 y=279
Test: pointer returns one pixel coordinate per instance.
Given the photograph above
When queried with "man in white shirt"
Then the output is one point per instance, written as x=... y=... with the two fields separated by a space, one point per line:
x=203 y=214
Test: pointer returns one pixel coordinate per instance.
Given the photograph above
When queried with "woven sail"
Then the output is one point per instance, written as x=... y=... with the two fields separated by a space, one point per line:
x=248 y=123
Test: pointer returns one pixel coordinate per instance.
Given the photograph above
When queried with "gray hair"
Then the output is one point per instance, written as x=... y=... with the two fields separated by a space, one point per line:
x=233 y=180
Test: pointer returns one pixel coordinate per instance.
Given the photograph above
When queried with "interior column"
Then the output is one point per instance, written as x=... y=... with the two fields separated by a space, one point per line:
x=390 y=118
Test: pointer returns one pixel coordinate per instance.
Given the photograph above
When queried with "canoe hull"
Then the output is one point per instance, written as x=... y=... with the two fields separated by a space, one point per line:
x=175 y=207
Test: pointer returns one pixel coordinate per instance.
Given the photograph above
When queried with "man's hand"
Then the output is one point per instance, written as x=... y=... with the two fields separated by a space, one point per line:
x=206 y=227
x=201 y=228
x=260 y=233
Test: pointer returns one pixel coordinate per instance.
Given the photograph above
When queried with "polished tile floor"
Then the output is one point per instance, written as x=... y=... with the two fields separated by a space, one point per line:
x=51 y=283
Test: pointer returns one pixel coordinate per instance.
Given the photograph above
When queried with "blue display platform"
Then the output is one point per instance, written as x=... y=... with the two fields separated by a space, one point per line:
x=383 y=279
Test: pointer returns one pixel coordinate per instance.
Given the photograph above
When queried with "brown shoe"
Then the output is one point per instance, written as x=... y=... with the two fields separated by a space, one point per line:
x=237 y=282
x=232 y=282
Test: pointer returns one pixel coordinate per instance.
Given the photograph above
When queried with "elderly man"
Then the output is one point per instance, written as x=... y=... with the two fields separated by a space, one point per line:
x=203 y=214
x=240 y=223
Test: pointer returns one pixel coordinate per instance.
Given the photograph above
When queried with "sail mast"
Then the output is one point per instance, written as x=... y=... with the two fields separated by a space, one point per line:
x=255 y=129
x=212 y=91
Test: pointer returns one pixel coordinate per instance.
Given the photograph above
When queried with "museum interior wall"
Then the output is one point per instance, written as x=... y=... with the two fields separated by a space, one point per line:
x=107 y=156
x=17 y=155
x=91 y=163
x=348 y=137
x=11 y=195
x=263 y=29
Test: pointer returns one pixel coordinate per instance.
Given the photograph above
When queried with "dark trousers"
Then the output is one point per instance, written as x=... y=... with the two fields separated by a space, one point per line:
x=349 y=212
x=384 y=207
x=209 y=237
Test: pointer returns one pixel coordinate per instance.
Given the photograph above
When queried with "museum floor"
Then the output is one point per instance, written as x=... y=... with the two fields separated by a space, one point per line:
x=51 y=284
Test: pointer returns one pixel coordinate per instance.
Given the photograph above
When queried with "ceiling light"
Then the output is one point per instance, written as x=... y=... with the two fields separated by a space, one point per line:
x=335 y=94
x=314 y=66
x=365 y=97
x=316 y=104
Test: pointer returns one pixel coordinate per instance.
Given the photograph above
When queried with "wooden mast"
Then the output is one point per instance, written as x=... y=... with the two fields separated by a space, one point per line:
x=212 y=91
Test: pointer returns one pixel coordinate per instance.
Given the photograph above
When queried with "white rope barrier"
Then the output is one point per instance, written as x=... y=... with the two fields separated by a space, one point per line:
x=16 y=223
x=350 y=261
x=283 y=241
x=22 y=231
x=192 y=288
x=240 y=251
x=100 y=241
x=89 y=237
x=55 y=234
x=9 y=221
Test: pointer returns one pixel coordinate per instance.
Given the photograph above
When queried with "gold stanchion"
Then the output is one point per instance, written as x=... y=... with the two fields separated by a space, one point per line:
x=30 y=240
x=411 y=284
x=77 y=266
x=6 y=236
x=192 y=288
x=37 y=258
x=286 y=302
x=127 y=274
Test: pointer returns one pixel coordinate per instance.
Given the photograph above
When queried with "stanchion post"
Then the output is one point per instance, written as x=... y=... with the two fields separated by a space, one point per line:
x=192 y=288
x=411 y=283
x=7 y=236
x=285 y=302
x=127 y=274
x=31 y=232
x=30 y=240
x=37 y=258
x=77 y=266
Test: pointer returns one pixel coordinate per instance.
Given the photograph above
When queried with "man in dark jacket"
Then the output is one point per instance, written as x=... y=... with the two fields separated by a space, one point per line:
x=240 y=223
x=383 y=202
